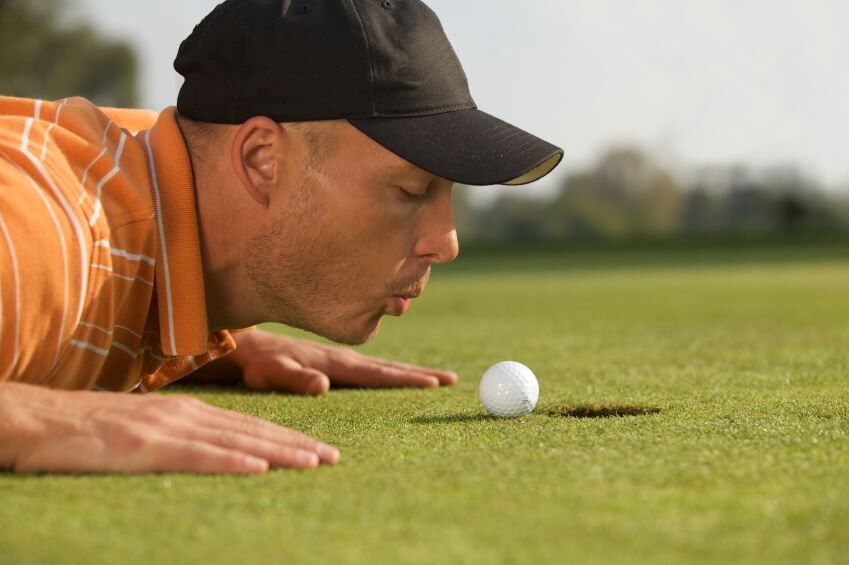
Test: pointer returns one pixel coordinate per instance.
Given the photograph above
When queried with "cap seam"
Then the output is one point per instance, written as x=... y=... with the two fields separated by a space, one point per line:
x=426 y=112
x=236 y=89
x=368 y=54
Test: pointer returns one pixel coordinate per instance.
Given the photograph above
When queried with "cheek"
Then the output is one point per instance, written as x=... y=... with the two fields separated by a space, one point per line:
x=376 y=234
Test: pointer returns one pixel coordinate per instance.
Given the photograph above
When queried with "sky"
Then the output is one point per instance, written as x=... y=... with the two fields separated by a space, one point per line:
x=697 y=83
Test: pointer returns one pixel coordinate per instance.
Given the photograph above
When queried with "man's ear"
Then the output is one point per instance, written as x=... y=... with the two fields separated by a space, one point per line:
x=254 y=154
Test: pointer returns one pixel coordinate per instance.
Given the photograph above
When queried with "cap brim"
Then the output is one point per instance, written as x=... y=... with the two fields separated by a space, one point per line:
x=465 y=146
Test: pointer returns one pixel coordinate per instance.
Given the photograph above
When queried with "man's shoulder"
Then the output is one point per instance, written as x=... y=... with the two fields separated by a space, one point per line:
x=78 y=111
x=133 y=120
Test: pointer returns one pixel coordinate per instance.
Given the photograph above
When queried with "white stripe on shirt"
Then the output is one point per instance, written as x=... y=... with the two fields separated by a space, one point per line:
x=90 y=347
x=96 y=327
x=106 y=132
x=17 y=281
x=109 y=269
x=133 y=256
x=50 y=128
x=125 y=349
x=115 y=170
x=126 y=329
x=160 y=226
x=85 y=172
x=124 y=253
x=132 y=279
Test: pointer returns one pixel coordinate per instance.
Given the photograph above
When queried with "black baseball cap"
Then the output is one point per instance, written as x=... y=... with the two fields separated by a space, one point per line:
x=383 y=65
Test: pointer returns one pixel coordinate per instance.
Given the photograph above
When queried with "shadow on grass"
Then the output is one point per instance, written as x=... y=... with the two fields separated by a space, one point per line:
x=601 y=411
x=451 y=419
x=581 y=411
x=241 y=389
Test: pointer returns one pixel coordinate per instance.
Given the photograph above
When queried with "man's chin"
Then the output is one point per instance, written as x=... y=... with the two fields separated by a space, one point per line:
x=350 y=336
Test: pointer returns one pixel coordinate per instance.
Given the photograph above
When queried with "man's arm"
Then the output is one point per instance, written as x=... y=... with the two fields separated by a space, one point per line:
x=267 y=361
x=101 y=432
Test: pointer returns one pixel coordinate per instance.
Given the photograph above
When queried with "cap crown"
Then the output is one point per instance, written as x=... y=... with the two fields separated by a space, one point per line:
x=297 y=60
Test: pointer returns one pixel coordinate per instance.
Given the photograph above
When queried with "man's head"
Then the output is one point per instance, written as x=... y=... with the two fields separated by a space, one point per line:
x=340 y=186
x=328 y=231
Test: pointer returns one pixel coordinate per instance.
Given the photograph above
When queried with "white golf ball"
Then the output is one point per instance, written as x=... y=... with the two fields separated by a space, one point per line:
x=509 y=389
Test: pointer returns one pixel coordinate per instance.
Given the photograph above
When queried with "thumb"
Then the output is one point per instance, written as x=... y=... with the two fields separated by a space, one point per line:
x=286 y=375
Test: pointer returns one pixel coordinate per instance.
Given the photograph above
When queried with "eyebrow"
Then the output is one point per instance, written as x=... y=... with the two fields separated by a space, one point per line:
x=408 y=168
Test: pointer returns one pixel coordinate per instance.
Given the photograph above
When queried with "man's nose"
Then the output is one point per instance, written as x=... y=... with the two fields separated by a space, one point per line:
x=438 y=243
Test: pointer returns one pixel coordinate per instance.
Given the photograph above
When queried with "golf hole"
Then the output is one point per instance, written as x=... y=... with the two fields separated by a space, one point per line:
x=601 y=411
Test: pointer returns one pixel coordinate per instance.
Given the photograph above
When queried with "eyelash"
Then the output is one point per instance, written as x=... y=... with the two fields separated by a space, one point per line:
x=410 y=196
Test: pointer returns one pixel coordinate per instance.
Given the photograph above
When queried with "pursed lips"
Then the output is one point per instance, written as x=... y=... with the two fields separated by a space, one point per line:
x=411 y=291
x=410 y=295
x=401 y=300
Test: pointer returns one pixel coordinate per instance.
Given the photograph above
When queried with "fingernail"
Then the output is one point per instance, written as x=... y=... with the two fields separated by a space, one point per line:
x=433 y=382
x=318 y=386
x=328 y=454
x=307 y=458
x=255 y=464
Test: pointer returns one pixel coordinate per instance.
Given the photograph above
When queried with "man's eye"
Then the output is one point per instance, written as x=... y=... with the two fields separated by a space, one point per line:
x=410 y=196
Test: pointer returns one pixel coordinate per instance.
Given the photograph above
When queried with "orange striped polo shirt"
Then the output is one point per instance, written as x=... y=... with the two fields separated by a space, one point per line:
x=101 y=283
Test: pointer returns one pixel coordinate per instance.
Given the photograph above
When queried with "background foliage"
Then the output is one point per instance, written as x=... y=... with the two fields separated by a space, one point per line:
x=627 y=194
x=45 y=55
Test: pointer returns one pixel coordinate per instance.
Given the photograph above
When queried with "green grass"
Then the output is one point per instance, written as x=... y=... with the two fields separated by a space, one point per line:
x=747 y=460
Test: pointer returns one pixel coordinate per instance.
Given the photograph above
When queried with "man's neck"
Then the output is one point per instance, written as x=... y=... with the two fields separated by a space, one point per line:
x=220 y=215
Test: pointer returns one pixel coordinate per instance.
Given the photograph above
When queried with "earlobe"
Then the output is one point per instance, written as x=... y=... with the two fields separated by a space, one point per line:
x=254 y=157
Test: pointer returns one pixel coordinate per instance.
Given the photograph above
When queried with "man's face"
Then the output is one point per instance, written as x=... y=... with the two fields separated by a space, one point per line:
x=349 y=238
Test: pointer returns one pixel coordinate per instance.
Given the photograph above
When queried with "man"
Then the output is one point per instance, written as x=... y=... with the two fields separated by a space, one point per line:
x=303 y=178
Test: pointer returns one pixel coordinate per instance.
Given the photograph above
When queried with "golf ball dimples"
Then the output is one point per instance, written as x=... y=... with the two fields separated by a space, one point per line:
x=509 y=389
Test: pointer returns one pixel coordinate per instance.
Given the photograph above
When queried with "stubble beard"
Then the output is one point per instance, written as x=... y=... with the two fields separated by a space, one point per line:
x=287 y=264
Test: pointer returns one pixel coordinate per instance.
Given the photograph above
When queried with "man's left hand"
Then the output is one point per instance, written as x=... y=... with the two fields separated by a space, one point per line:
x=275 y=362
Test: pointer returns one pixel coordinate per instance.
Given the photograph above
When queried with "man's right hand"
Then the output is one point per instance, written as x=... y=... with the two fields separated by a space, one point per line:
x=103 y=432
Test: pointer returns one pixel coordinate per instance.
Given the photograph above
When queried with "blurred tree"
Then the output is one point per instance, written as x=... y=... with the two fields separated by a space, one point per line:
x=700 y=213
x=516 y=218
x=466 y=216
x=736 y=200
x=44 y=57
x=746 y=208
x=841 y=207
x=625 y=194
x=799 y=204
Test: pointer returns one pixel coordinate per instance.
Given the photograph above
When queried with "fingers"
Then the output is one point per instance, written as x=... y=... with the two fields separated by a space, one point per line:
x=369 y=373
x=108 y=432
x=445 y=377
x=226 y=421
x=273 y=453
x=304 y=367
x=286 y=375
x=137 y=452
x=187 y=456
x=354 y=369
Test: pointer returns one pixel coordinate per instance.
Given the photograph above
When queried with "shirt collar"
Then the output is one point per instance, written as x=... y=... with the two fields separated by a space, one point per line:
x=184 y=328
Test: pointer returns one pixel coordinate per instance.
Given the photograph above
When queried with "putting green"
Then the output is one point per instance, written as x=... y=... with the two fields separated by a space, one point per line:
x=740 y=455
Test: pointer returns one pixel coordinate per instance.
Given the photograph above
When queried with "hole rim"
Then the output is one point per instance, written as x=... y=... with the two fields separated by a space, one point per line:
x=595 y=411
